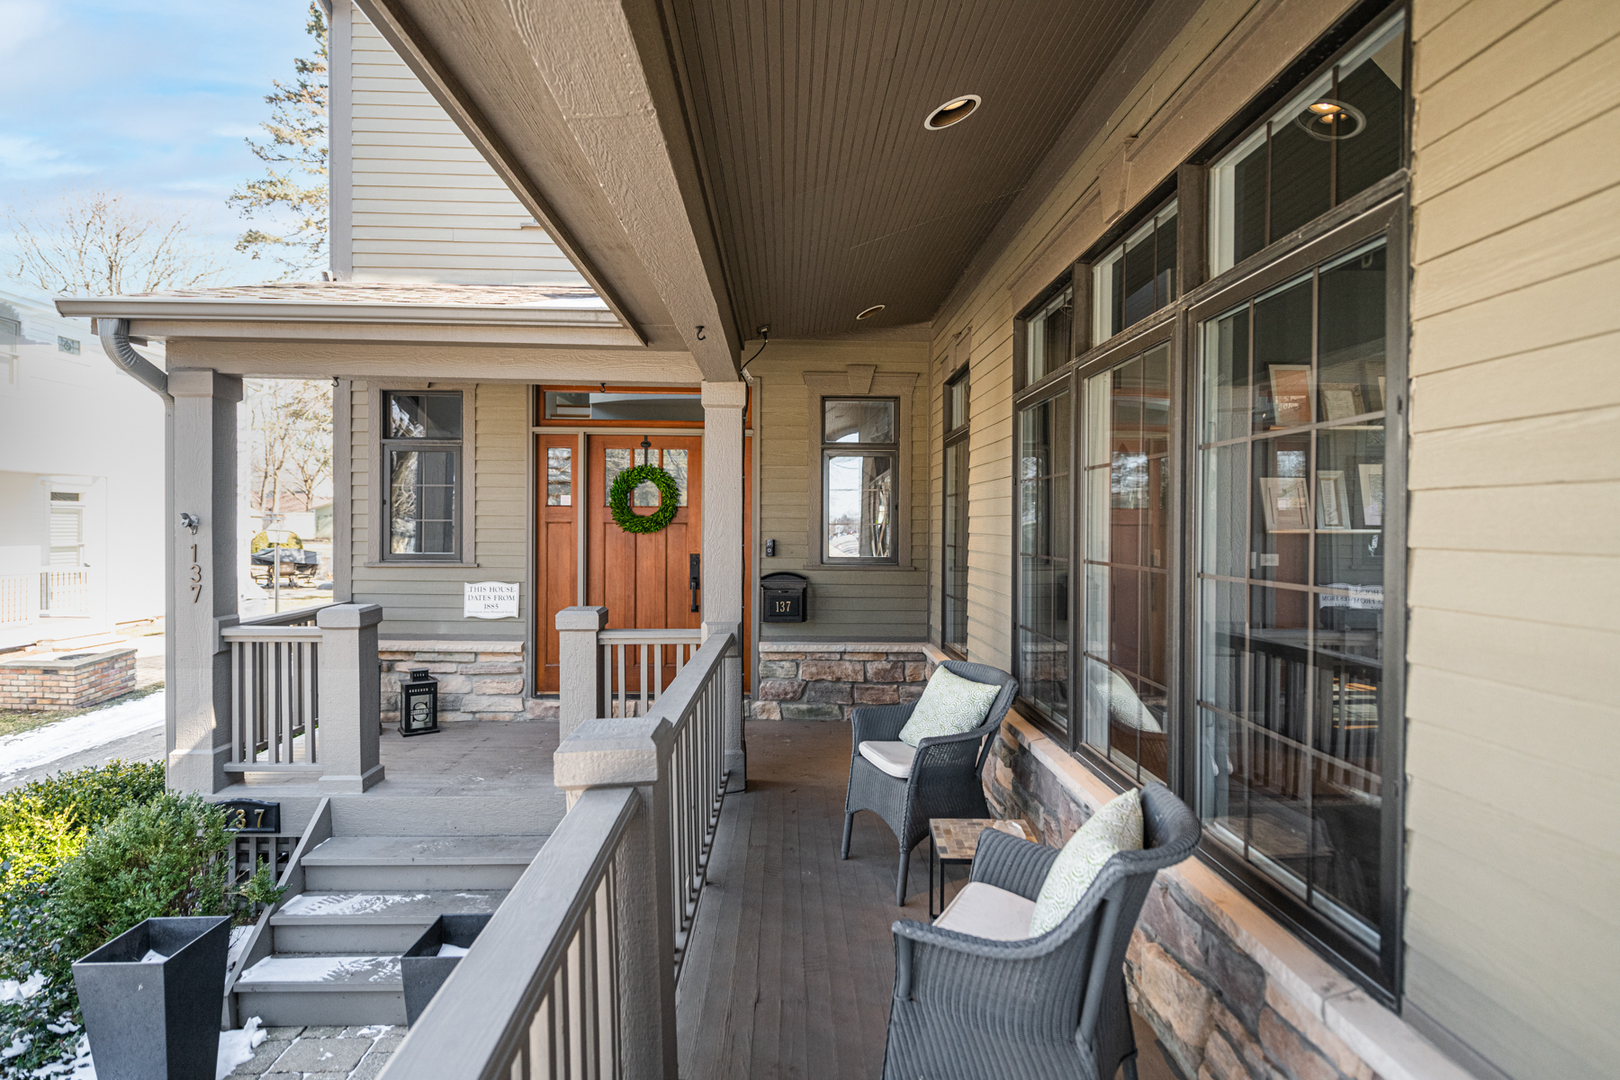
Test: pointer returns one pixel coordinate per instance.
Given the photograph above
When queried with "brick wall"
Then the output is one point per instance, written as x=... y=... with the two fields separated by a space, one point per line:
x=824 y=681
x=478 y=680
x=39 y=684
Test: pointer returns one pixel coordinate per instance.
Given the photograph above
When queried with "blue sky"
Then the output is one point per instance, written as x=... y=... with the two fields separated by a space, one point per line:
x=149 y=98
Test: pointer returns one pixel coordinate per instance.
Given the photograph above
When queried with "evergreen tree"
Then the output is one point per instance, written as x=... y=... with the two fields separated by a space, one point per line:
x=291 y=198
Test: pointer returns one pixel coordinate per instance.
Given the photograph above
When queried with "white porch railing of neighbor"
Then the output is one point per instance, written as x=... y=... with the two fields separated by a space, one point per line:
x=575 y=975
x=19 y=599
x=633 y=664
x=64 y=591
x=305 y=694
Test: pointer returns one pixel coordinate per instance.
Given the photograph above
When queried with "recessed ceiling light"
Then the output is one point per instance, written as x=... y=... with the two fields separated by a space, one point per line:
x=953 y=111
x=871 y=311
x=1331 y=120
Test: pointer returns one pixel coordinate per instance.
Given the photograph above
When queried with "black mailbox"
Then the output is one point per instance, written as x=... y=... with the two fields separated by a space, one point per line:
x=784 y=597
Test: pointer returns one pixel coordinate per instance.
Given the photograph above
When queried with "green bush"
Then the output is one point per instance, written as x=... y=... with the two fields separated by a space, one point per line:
x=261 y=540
x=92 y=795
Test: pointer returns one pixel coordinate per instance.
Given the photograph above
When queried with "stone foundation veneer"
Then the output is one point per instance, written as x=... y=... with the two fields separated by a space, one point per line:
x=824 y=680
x=478 y=680
x=1230 y=992
x=72 y=681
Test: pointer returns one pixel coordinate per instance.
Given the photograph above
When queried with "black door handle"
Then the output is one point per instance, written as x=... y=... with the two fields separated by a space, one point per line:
x=694 y=579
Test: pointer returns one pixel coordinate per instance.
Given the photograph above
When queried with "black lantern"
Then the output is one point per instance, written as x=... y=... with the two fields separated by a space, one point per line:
x=419 y=703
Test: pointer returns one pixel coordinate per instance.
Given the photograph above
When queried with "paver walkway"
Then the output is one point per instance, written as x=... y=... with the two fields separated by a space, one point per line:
x=321 y=1053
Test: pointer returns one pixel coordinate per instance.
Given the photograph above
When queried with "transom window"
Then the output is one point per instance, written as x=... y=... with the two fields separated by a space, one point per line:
x=1049 y=335
x=1137 y=278
x=860 y=451
x=422 y=468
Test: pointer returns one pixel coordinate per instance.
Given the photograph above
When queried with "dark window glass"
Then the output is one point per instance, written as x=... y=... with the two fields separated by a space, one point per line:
x=1338 y=136
x=956 y=540
x=422 y=454
x=1137 y=278
x=1042 y=632
x=1290 y=637
x=1049 y=336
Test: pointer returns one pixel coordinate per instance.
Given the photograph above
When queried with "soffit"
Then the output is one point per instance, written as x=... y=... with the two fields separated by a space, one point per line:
x=827 y=192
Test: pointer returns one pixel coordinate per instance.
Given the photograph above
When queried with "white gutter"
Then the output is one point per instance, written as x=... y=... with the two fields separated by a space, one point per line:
x=115 y=340
x=122 y=308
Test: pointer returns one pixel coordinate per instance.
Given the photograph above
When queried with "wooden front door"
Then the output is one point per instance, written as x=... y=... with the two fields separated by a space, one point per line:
x=641 y=578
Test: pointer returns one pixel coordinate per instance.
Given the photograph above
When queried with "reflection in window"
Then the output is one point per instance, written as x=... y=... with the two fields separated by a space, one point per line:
x=1042 y=631
x=1291 y=584
x=422 y=456
x=1137 y=278
x=559 y=476
x=1125 y=676
x=1341 y=134
x=954 y=595
x=1049 y=336
x=859 y=456
x=616 y=459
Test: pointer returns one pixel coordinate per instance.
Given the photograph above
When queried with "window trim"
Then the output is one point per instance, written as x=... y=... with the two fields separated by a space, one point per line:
x=377 y=554
x=860 y=381
x=959 y=434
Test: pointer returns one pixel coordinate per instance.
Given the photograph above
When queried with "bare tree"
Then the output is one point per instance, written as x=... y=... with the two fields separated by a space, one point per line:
x=291 y=422
x=291 y=197
x=309 y=458
x=102 y=243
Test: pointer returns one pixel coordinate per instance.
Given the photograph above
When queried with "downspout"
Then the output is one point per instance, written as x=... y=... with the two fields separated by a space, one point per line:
x=115 y=340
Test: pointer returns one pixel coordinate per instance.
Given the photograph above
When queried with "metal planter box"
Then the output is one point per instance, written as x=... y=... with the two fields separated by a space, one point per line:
x=157 y=1020
x=424 y=969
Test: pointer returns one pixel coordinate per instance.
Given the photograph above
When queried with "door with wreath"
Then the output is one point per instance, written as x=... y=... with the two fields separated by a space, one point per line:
x=640 y=573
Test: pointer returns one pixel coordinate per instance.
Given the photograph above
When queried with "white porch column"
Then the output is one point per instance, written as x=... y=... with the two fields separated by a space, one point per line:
x=579 y=667
x=723 y=404
x=351 y=697
x=202 y=576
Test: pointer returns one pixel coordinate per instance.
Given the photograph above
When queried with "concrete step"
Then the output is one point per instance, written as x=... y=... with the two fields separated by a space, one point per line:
x=337 y=990
x=419 y=863
x=369 y=922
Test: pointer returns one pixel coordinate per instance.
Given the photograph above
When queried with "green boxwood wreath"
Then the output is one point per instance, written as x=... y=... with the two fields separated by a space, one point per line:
x=669 y=499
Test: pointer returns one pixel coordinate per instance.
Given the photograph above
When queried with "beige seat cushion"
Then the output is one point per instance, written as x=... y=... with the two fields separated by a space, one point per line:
x=985 y=911
x=893 y=758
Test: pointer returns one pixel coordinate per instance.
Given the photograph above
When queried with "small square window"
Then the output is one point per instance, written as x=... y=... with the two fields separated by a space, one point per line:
x=67 y=345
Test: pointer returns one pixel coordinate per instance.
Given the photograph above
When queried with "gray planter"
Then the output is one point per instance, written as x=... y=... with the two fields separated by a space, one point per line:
x=422 y=966
x=159 y=1020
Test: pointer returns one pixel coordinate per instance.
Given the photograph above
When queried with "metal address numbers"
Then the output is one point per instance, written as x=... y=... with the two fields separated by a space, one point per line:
x=196 y=576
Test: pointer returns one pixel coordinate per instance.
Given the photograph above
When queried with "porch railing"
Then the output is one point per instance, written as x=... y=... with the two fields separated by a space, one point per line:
x=19 y=599
x=575 y=975
x=305 y=694
x=633 y=663
x=64 y=591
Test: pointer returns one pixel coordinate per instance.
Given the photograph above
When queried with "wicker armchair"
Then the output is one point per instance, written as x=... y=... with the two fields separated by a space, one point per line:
x=968 y=1008
x=944 y=780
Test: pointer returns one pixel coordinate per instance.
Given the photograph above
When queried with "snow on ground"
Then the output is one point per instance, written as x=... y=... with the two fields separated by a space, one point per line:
x=41 y=746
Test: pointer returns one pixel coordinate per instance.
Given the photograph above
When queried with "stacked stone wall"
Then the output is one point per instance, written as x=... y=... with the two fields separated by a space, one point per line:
x=1216 y=1009
x=49 y=684
x=825 y=682
x=478 y=680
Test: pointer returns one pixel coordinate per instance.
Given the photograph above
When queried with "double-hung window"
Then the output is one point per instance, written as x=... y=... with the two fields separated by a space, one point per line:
x=955 y=525
x=860 y=457
x=422 y=468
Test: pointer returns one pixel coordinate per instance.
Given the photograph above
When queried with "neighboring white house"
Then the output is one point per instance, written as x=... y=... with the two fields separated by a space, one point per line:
x=81 y=480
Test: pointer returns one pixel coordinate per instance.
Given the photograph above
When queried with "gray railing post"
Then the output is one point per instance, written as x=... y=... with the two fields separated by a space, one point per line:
x=603 y=753
x=579 y=667
x=350 y=701
x=731 y=684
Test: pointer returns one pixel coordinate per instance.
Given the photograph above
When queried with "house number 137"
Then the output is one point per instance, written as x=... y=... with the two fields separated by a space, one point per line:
x=196 y=576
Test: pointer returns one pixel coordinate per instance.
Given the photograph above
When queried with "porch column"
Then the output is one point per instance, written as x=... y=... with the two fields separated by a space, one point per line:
x=608 y=753
x=723 y=532
x=202 y=577
x=579 y=667
x=351 y=697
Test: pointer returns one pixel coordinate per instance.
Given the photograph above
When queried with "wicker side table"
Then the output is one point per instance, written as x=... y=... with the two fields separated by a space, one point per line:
x=956 y=840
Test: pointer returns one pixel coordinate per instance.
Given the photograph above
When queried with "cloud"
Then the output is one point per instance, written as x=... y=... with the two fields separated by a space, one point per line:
x=25 y=21
x=24 y=158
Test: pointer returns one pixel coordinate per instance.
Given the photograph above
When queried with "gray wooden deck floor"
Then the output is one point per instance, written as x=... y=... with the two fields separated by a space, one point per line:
x=791 y=962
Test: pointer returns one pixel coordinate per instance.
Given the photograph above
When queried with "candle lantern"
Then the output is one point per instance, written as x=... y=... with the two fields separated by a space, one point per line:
x=419 y=703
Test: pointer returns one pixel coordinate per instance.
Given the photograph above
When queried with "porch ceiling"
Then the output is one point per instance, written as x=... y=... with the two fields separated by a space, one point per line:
x=828 y=193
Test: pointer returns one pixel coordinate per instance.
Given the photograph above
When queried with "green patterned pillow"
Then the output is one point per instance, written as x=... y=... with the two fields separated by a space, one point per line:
x=949 y=705
x=1117 y=826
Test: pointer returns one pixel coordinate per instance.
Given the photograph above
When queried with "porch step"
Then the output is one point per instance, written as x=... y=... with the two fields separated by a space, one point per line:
x=419 y=863
x=385 y=923
x=286 y=991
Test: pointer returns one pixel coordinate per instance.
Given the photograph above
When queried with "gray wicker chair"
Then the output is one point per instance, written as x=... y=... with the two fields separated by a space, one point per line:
x=944 y=780
x=968 y=1008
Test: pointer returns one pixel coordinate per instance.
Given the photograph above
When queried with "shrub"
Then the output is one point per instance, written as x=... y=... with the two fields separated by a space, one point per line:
x=261 y=540
x=166 y=857
x=92 y=795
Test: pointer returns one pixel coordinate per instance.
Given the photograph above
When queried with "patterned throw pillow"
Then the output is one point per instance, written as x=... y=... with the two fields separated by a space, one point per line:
x=949 y=705
x=1115 y=827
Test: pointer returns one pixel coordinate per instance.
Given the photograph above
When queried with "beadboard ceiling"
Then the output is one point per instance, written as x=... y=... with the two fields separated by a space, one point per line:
x=828 y=194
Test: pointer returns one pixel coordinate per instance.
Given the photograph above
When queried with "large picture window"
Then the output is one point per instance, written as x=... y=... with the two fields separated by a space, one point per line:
x=1042 y=630
x=860 y=450
x=955 y=525
x=422 y=459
